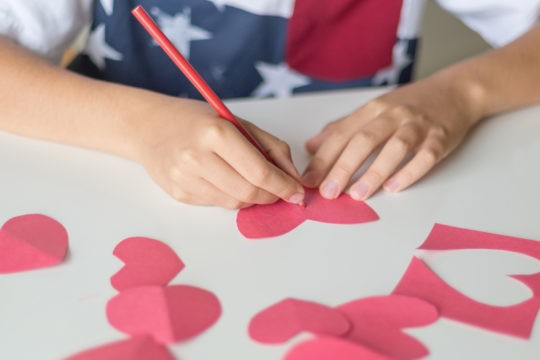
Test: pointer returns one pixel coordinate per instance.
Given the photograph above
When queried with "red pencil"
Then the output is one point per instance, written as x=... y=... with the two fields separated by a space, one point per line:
x=193 y=76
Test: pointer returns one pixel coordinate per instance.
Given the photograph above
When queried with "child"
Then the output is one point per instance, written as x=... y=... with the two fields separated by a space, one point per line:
x=136 y=106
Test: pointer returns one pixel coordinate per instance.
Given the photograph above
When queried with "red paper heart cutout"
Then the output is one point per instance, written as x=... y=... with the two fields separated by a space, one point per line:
x=419 y=281
x=262 y=221
x=134 y=348
x=170 y=314
x=287 y=318
x=147 y=262
x=325 y=348
x=31 y=241
x=378 y=321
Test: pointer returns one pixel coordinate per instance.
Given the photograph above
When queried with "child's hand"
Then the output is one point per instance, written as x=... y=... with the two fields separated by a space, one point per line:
x=201 y=159
x=427 y=118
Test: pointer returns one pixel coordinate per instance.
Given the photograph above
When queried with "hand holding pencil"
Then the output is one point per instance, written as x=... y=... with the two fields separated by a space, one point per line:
x=224 y=161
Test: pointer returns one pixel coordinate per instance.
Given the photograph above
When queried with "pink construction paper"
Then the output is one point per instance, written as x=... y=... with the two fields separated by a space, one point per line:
x=444 y=237
x=262 y=221
x=289 y=317
x=419 y=281
x=30 y=242
x=170 y=314
x=326 y=348
x=147 y=262
x=378 y=321
x=134 y=348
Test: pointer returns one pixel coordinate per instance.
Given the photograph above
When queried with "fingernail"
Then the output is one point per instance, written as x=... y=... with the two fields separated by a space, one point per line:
x=391 y=185
x=359 y=191
x=296 y=198
x=309 y=178
x=330 y=189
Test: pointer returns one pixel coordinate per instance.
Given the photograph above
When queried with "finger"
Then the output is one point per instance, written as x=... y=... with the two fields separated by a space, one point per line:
x=201 y=192
x=242 y=156
x=428 y=155
x=278 y=150
x=313 y=144
x=391 y=156
x=341 y=155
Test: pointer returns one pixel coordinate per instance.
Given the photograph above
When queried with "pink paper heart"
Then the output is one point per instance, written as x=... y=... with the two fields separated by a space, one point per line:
x=326 y=348
x=31 y=241
x=134 y=348
x=378 y=321
x=147 y=262
x=261 y=221
x=518 y=320
x=287 y=318
x=169 y=314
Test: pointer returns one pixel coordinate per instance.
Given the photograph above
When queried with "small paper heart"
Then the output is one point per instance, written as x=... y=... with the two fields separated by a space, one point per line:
x=324 y=348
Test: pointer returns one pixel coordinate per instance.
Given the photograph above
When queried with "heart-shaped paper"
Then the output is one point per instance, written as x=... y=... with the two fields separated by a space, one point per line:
x=169 y=314
x=325 y=348
x=518 y=320
x=147 y=262
x=30 y=242
x=134 y=348
x=289 y=317
x=378 y=321
x=261 y=221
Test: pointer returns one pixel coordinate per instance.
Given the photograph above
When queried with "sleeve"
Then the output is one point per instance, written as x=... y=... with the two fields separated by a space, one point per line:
x=499 y=22
x=45 y=27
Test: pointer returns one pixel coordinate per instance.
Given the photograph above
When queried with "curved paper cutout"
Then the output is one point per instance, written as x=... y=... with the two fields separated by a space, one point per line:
x=324 y=348
x=169 y=314
x=419 y=281
x=147 y=262
x=263 y=221
x=378 y=321
x=445 y=237
x=135 y=348
x=30 y=242
x=289 y=317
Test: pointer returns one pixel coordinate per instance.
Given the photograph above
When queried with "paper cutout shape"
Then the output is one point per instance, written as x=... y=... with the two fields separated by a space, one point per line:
x=262 y=221
x=378 y=321
x=30 y=242
x=445 y=237
x=170 y=314
x=419 y=281
x=147 y=262
x=532 y=281
x=289 y=317
x=134 y=348
x=324 y=348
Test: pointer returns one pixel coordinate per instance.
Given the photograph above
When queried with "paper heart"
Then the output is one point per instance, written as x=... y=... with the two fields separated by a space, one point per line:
x=147 y=262
x=134 y=348
x=169 y=314
x=518 y=320
x=342 y=40
x=31 y=241
x=324 y=348
x=289 y=317
x=378 y=323
x=261 y=221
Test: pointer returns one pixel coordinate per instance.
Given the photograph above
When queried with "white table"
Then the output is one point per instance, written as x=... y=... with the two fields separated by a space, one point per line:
x=491 y=184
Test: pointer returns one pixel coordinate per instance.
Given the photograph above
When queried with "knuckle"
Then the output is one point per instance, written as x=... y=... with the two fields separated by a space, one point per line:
x=260 y=175
x=364 y=138
x=430 y=154
x=402 y=112
x=376 y=105
x=214 y=132
x=187 y=157
x=175 y=173
x=401 y=144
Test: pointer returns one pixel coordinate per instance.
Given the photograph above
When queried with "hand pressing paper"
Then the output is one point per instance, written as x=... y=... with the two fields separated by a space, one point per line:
x=30 y=242
x=263 y=221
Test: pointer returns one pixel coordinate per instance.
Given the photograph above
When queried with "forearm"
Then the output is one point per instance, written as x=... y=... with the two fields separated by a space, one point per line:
x=499 y=80
x=42 y=101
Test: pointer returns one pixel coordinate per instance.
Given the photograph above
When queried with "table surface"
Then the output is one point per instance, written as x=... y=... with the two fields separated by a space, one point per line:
x=489 y=184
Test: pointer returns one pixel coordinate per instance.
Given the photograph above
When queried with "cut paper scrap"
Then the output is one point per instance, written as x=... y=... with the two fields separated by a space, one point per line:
x=419 y=281
x=262 y=221
x=134 y=348
x=30 y=242
x=325 y=348
x=378 y=321
x=445 y=237
x=289 y=317
x=147 y=262
x=169 y=314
